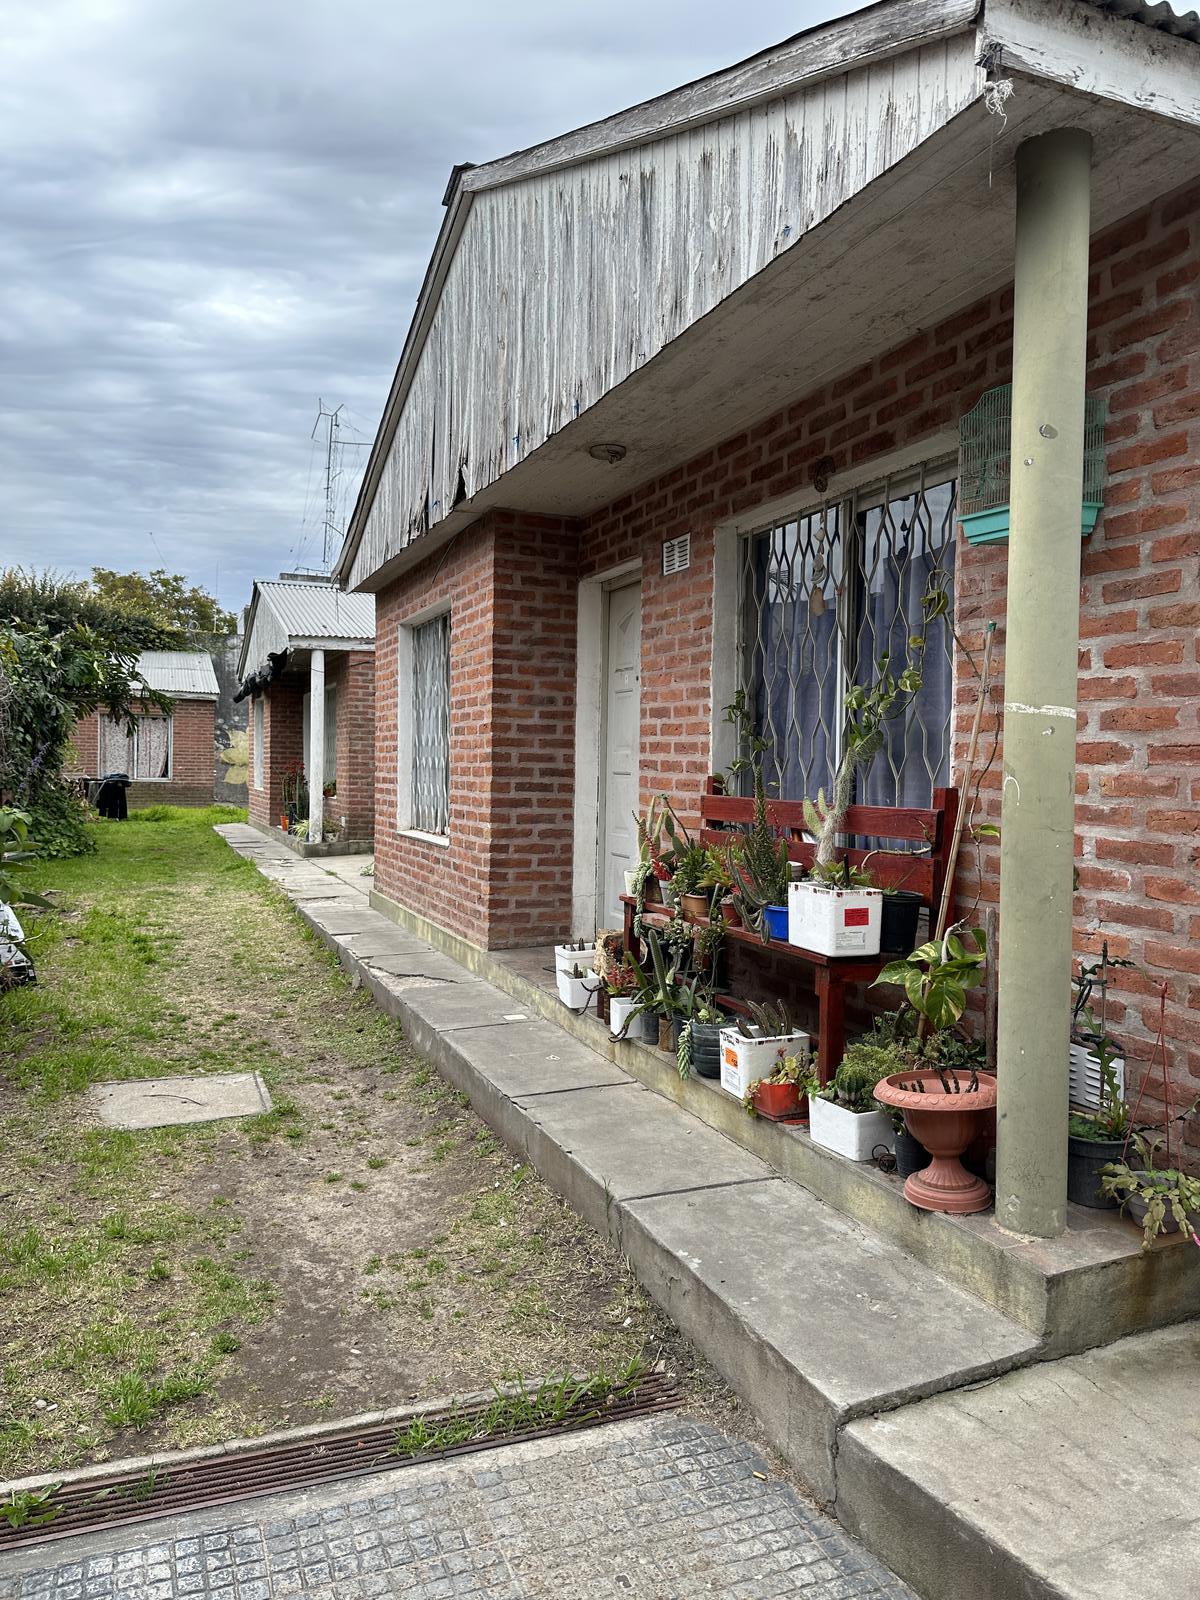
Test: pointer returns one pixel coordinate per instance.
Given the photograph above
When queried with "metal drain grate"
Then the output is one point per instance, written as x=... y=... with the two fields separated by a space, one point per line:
x=126 y=1497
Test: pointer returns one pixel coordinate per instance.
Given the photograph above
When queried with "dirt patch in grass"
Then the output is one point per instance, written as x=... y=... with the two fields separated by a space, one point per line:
x=365 y=1243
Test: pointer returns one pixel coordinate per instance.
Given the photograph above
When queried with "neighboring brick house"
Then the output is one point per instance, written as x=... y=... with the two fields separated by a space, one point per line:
x=170 y=756
x=307 y=667
x=714 y=444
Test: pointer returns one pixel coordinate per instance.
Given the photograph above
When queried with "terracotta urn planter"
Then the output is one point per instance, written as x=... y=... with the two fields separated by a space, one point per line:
x=945 y=1124
x=694 y=906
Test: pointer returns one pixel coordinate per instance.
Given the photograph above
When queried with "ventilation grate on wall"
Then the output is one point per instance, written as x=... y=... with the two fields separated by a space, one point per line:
x=677 y=554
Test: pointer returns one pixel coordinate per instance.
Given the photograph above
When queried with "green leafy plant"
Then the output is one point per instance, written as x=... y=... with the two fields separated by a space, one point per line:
x=863 y=1066
x=30 y=1508
x=770 y=1017
x=16 y=846
x=691 y=865
x=1163 y=1190
x=796 y=1069
x=1110 y=1119
x=936 y=976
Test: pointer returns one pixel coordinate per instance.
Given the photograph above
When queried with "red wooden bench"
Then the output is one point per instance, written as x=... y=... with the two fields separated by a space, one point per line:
x=909 y=828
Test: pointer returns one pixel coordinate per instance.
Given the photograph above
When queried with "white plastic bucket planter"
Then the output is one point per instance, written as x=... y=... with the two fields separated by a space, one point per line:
x=744 y=1061
x=618 y=1013
x=630 y=881
x=834 y=922
x=576 y=992
x=566 y=957
x=1085 y=1079
x=853 y=1134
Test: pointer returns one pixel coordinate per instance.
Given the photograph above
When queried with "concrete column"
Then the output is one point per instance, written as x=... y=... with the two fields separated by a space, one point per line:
x=1041 y=677
x=316 y=747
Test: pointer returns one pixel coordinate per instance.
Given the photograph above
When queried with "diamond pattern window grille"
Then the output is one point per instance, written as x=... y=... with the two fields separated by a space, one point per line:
x=431 y=726
x=823 y=597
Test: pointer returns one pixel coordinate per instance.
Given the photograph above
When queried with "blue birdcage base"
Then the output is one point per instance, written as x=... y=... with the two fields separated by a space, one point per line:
x=991 y=527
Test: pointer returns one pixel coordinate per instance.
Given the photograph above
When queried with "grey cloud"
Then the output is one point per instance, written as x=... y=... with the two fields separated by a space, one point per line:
x=210 y=215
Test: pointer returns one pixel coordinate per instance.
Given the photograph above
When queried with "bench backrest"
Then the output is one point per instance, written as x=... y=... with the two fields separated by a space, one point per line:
x=897 y=828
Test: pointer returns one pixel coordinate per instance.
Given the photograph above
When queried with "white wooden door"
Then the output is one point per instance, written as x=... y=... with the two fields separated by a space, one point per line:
x=620 y=748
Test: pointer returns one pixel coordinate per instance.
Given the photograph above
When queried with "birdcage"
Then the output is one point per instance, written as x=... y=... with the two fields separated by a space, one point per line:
x=984 y=436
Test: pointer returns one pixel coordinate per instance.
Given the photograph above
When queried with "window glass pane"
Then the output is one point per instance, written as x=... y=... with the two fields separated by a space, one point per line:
x=258 y=742
x=823 y=598
x=431 y=726
x=154 y=747
x=116 y=748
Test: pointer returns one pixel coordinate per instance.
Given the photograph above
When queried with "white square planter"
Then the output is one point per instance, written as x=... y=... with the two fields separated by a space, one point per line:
x=566 y=957
x=848 y=1133
x=576 y=992
x=642 y=1028
x=744 y=1061
x=834 y=922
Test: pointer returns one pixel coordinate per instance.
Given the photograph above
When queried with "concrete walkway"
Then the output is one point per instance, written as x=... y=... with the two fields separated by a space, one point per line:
x=662 y=1509
x=863 y=1364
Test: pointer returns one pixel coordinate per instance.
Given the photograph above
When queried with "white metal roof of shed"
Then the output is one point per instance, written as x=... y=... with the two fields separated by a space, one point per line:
x=183 y=674
x=320 y=610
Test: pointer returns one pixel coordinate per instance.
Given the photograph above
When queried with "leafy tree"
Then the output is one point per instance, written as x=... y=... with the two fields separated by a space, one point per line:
x=64 y=652
x=167 y=599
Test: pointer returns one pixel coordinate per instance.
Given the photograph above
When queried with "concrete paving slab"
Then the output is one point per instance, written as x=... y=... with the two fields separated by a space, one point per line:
x=460 y=1002
x=1078 y=1479
x=167 y=1102
x=520 y=1059
x=600 y=1147
x=812 y=1317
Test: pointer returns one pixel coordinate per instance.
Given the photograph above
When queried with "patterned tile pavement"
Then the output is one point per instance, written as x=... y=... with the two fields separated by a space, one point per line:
x=663 y=1509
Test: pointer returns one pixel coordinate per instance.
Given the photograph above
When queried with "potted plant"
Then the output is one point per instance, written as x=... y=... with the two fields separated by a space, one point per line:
x=843 y=1116
x=687 y=879
x=570 y=954
x=782 y=1095
x=1097 y=1139
x=1161 y=1199
x=836 y=911
x=622 y=986
x=756 y=865
x=1089 y=1033
x=717 y=879
x=941 y=1102
x=750 y=1050
x=659 y=993
x=576 y=987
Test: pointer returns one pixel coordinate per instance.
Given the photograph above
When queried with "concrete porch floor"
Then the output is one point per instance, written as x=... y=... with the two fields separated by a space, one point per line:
x=935 y=1422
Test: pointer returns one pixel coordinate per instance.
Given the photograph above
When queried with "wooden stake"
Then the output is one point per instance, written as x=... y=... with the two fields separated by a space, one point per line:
x=968 y=769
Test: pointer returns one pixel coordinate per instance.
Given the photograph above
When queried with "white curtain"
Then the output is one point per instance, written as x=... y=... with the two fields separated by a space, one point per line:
x=116 y=748
x=154 y=747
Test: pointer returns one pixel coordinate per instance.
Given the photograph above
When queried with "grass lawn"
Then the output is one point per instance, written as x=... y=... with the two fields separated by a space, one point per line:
x=364 y=1243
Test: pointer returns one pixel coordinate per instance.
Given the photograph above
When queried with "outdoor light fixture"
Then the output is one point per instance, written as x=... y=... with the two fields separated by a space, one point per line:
x=612 y=453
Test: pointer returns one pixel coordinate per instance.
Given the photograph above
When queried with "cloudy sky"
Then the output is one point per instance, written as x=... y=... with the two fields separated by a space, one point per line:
x=213 y=214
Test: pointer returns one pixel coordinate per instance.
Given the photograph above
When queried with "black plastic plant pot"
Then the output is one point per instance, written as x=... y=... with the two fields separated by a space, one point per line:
x=898 y=925
x=911 y=1155
x=1085 y=1157
x=706 y=1049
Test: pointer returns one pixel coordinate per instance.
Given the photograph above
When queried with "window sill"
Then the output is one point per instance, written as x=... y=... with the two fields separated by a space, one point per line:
x=442 y=840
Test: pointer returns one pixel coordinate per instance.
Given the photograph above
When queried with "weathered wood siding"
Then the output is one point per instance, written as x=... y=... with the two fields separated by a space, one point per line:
x=565 y=282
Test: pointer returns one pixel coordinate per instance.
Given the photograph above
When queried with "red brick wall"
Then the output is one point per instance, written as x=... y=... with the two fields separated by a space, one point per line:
x=193 y=756
x=283 y=748
x=1139 y=744
x=352 y=676
x=505 y=878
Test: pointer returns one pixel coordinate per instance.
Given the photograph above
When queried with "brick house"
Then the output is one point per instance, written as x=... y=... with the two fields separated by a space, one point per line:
x=170 y=756
x=714 y=443
x=307 y=667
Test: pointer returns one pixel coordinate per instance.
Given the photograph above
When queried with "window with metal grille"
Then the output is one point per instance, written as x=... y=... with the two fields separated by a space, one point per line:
x=823 y=597
x=431 y=725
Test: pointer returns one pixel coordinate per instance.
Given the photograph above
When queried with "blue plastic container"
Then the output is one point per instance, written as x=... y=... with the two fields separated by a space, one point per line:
x=777 y=921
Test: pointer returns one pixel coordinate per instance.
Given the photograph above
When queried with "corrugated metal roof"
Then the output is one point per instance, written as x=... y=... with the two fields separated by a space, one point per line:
x=320 y=610
x=1182 y=24
x=179 y=672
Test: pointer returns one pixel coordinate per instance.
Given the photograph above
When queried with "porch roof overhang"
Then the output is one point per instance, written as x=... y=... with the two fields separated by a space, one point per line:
x=927 y=237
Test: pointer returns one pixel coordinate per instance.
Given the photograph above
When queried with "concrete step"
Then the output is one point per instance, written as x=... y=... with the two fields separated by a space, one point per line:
x=1077 y=1479
x=813 y=1318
